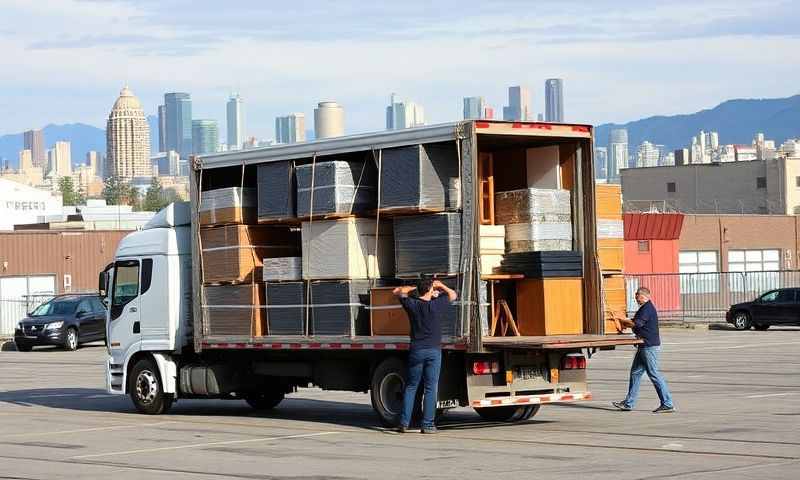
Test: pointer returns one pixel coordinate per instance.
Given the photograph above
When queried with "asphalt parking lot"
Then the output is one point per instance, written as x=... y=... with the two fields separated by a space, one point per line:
x=738 y=395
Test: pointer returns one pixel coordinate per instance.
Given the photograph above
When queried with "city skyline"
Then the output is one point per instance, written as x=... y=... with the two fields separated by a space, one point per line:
x=210 y=52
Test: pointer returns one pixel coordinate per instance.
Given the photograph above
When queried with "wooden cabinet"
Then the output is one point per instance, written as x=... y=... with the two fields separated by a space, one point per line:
x=550 y=306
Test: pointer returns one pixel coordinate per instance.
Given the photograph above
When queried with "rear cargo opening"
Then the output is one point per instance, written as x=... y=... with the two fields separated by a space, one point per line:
x=537 y=238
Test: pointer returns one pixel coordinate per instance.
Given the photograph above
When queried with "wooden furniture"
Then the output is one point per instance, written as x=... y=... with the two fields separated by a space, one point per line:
x=502 y=321
x=486 y=196
x=614 y=302
x=550 y=306
x=610 y=239
x=611 y=252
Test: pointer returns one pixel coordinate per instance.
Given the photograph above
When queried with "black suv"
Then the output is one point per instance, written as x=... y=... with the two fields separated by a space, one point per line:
x=776 y=307
x=66 y=320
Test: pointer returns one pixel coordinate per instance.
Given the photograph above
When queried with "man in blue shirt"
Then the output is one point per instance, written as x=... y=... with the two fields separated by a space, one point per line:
x=425 y=355
x=645 y=326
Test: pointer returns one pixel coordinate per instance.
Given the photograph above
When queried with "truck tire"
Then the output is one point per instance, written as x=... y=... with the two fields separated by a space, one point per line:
x=386 y=390
x=508 y=414
x=266 y=400
x=147 y=390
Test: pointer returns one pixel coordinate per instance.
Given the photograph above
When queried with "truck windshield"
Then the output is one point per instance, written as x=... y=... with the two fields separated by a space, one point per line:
x=55 y=307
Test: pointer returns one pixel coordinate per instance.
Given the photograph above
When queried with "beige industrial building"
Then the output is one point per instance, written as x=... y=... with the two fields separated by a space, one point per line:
x=128 y=139
x=755 y=187
x=328 y=120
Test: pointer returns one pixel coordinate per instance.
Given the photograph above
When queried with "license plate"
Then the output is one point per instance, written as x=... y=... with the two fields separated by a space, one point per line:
x=530 y=373
x=453 y=403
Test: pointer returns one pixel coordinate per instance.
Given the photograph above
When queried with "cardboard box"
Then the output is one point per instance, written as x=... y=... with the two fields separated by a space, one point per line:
x=387 y=316
x=234 y=253
x=550 y=306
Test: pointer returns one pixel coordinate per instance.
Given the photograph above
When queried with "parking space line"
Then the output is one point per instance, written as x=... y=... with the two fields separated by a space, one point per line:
x=81 y=430
x=198 y=445
x=773 y=395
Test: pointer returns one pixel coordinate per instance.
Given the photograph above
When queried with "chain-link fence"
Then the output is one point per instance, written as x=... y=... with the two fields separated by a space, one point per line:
x=12 y=310
x=705 y=296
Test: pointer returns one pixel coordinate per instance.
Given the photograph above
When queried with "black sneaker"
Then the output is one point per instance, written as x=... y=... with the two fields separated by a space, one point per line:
x=664 y=409
x=622 y=406
x=401 y=429
x=429 y=430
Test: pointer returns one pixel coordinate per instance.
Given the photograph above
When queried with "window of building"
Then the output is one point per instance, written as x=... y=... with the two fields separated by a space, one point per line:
x=753 y=270
x=797 y=181
x=698 y=272
x=671 y=187
x=761 y=182
x=644 y=245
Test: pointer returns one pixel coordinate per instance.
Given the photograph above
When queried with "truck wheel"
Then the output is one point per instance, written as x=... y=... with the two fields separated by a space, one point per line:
x=71 y=339
x=386 y=390
x=266 y=400
x=741 y=320
x=507 y=414
x=147 y=390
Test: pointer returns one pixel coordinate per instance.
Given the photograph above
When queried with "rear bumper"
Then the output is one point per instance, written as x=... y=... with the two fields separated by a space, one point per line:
x=531 y=399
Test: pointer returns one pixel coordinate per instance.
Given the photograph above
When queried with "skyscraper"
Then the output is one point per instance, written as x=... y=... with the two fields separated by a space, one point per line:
x=601 y=163
x=403 y=114
x=648 y=155
x=162 y=128
x=34 y=141
x=94 y=160
x=128 y=139
x=205 y=136
x=328 y=120
x=290 y=128
x=554 y=100
x=25 y=160
x=617 y=153
x=518 y=109
x=474 y=108
x=179 y=123
x=59 y=160
x=235 y=132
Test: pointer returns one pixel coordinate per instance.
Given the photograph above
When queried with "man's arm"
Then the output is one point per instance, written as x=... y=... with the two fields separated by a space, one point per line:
x=451 y=294
x=403 y=291
x=626 y=322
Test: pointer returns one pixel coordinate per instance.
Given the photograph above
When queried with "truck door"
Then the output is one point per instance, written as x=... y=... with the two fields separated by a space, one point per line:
x=124 y=322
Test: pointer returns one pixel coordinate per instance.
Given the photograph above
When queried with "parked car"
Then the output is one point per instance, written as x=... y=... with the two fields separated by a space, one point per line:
x=776 y=307
x=66 y=321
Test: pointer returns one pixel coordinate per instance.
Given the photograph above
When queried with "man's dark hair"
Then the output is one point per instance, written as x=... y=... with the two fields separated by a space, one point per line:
x=424 y=286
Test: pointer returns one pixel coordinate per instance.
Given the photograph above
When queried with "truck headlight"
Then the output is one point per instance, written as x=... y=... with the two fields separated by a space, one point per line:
x=54 y=325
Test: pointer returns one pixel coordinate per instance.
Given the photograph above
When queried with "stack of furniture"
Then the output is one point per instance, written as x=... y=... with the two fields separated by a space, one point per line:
x=535 y=219
x=610 y=249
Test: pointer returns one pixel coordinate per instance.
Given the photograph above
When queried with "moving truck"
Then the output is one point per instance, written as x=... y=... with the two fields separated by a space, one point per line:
x=518 y=341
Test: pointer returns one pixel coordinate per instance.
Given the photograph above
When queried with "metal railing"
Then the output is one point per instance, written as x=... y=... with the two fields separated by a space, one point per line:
x=14 y=309
x=704 y=296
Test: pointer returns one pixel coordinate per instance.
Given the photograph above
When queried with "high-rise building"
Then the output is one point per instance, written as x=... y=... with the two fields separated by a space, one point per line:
x=234 y=131
x=682 y=157
x=617 y=153
x=25 y=160
x=127 y=139
x=518 y=109
x=179 y=123
x=488 y=113
x=94 y=160
x=290 y=128
x=34 y=141
x=162 y=128
x=554 y=100
x=474 y=108
x=205 y=136
x=601 y=163
x=328 y=120
x=59 y=160
x=403 y=114
x=648 y=155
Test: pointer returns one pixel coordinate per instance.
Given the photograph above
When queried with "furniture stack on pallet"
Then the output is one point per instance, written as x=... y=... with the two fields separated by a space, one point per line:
x=233 y=248
x=610 y=249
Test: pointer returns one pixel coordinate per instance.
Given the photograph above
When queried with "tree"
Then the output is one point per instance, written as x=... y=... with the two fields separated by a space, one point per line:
x=157 y=197
x=69 y=195
x=114 y=190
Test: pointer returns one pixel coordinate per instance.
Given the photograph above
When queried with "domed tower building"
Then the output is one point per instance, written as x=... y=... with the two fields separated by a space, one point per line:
x=128 y=139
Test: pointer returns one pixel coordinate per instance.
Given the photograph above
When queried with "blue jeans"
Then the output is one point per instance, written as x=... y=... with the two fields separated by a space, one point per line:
x=646 y=360
x=423 y=364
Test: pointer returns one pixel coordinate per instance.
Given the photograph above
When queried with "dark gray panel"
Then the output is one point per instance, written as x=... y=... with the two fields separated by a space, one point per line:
x=340 y=187
x=337 y=307
x=290 y=320
x=276 y=191
x=427 y=244
x=418 y=176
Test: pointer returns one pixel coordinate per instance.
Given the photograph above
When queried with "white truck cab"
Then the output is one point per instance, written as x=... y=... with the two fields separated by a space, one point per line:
x=148 y=294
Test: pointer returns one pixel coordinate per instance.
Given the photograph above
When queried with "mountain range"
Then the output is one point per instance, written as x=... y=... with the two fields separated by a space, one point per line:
x=737 y=121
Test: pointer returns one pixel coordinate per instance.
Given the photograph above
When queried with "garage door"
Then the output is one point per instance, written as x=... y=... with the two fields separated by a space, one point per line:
x=19 y=295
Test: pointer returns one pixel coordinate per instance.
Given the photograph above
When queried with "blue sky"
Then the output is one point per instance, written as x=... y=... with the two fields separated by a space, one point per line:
x=66 y=60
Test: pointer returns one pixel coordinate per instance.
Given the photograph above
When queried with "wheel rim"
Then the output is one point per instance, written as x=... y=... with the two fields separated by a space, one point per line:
x=741 y=320
x=391 y=393
x=72 y=339
x=146 y=387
